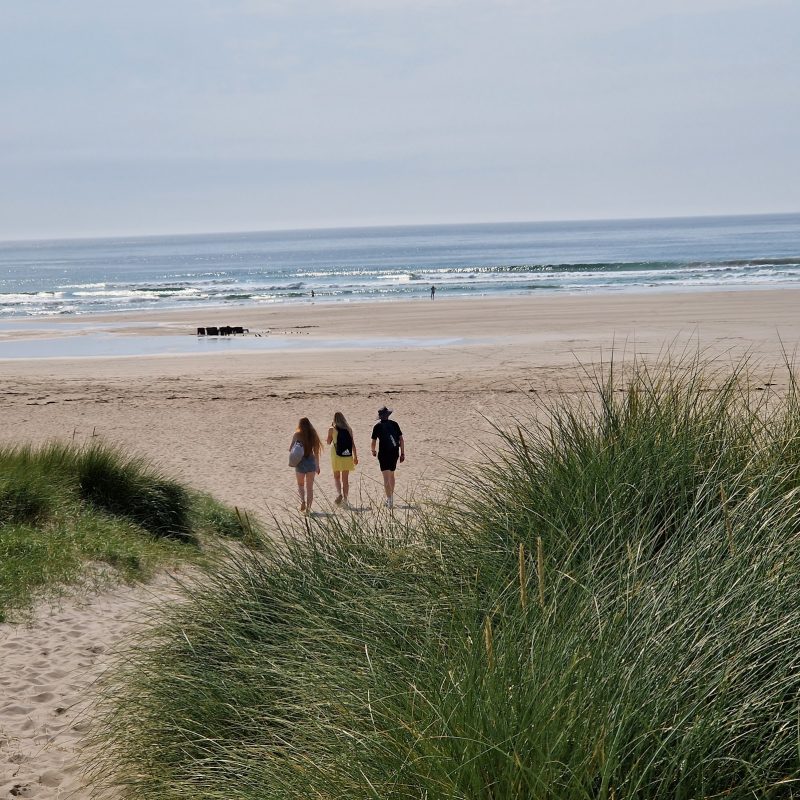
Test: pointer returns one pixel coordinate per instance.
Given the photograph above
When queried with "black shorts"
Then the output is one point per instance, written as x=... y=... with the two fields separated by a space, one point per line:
x=388 y=461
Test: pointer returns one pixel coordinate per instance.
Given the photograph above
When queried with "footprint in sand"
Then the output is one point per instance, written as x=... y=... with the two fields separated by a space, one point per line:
x=51 y=778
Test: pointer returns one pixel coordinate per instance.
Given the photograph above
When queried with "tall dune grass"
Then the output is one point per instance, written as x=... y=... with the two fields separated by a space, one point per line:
x=63 y=506
x=609 y=610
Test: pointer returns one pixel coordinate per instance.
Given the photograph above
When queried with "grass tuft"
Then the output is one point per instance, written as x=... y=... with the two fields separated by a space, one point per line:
x=607 y=610
x=128 y=487
x=64 y=508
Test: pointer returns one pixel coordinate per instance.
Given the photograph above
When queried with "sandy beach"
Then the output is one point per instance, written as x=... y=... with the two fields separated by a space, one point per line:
x=221 y=421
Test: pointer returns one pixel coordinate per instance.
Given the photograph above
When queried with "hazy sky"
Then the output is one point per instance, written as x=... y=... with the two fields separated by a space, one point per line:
x=186 y=115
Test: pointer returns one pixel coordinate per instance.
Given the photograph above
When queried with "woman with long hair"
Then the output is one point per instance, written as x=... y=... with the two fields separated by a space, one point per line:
x=344 y=456
x=308 y=467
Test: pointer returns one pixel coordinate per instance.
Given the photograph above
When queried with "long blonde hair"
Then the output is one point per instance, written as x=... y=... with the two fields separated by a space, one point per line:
x=309 y=437
x=340 y=422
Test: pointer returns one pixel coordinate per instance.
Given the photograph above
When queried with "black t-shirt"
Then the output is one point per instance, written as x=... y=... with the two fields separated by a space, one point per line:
x=388 y=434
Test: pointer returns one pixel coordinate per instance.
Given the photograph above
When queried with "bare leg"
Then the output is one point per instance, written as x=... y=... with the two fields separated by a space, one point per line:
x=310 y=489
x=301 y=482
x=337 y=479
x=388 y=487
x=345 y=485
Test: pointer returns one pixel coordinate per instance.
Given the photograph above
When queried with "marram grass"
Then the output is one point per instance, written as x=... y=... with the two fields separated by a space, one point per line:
x=64 y=507
x=610 y=610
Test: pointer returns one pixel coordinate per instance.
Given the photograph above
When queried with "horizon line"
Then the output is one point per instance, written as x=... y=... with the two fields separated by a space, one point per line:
x=391 y=226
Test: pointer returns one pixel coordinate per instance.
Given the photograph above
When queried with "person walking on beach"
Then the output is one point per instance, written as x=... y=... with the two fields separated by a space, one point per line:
x=391 y=449
x=308 y=466
x=433 y=292
x=344 y=456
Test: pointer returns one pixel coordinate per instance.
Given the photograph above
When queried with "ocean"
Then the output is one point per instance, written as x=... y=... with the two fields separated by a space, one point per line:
x=79 y=277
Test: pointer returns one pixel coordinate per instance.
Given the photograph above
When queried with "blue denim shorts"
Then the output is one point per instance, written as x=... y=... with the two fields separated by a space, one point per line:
x=307 y=464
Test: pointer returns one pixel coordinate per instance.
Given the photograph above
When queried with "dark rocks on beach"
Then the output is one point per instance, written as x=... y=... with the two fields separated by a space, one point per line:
x=224 y=330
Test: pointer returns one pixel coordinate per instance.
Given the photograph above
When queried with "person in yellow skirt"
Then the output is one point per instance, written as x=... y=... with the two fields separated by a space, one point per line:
x=344 y=456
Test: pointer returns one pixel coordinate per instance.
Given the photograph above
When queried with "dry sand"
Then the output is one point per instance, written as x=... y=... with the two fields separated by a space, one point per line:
x=222 y=423
x=48 y=684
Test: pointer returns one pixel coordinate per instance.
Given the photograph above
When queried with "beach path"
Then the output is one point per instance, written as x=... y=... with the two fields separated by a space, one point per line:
x=48 y=683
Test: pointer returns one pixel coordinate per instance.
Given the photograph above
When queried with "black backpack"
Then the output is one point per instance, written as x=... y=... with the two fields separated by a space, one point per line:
x=388 y=436
x=344 y=442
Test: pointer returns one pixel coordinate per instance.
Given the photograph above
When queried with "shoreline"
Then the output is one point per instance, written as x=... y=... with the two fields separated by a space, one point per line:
x=322 y=300
x=452 y=309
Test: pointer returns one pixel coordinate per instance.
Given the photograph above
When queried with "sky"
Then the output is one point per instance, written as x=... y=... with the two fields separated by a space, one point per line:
x=173 y=116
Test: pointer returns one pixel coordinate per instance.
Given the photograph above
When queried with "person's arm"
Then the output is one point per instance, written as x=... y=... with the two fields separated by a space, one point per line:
x=329 y=440
x=402 y=448
x=355 y=453
x=294 y=439
x=372 y=445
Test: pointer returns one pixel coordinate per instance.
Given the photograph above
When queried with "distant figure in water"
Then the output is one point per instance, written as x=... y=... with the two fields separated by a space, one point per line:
x=312 y=293
x=433 y=292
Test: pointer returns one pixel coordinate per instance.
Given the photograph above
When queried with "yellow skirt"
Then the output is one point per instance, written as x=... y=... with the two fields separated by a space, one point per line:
x=340 y=463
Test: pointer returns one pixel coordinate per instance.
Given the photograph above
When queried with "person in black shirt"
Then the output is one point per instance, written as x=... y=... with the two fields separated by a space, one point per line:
x=391 y=449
